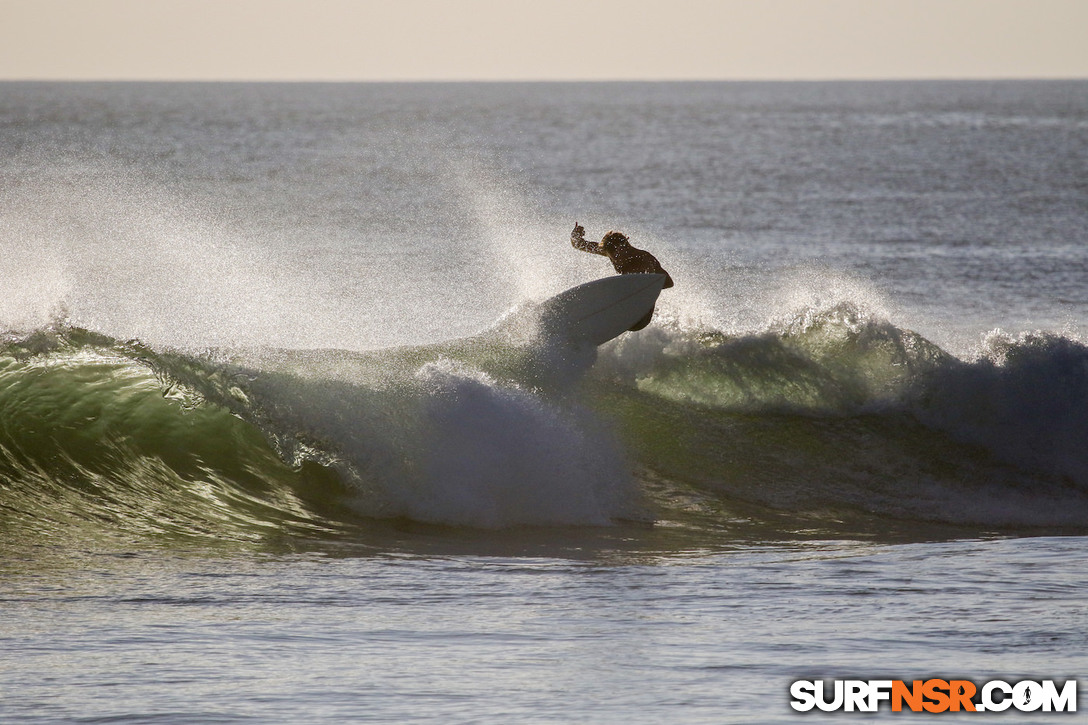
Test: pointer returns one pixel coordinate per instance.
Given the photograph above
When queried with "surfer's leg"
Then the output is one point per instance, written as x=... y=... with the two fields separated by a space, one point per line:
x=643 y=322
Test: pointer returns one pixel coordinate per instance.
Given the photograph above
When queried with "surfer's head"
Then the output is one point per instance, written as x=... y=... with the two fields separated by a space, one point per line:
x=614 y=240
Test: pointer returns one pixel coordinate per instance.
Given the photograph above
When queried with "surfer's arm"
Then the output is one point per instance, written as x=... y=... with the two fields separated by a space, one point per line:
x=578 y=241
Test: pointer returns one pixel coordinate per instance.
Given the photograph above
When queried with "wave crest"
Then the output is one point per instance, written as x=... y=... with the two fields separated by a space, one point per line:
x=825 y=416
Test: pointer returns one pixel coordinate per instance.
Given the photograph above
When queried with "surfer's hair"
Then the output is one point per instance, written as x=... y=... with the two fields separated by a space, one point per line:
x=614 y=239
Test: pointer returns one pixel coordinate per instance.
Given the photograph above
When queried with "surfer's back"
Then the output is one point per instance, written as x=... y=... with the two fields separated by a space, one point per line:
x=625 y=258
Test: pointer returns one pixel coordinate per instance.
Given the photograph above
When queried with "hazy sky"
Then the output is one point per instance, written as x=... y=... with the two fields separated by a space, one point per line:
x=542 y=39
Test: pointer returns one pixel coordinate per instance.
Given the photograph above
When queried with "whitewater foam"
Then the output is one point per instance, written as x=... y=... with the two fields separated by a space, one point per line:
x=444 y=442
x=495 y=455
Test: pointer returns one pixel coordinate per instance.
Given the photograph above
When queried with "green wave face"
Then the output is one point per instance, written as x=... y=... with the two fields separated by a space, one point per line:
x=94 y=443
x=836 y=416
x=834 y=423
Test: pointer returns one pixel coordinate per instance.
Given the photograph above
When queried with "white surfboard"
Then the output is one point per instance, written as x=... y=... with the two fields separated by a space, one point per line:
x=596 y=312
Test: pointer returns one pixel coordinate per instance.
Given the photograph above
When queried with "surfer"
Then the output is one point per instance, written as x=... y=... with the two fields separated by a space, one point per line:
x=625 y=258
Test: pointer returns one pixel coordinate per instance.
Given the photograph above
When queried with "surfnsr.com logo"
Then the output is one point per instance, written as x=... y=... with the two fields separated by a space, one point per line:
x=934 y=695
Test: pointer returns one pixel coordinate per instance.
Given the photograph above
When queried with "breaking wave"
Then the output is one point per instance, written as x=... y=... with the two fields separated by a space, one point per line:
x=830 y=419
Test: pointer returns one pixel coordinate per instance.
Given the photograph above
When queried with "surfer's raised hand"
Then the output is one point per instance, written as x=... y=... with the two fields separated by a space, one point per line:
x=578 y=241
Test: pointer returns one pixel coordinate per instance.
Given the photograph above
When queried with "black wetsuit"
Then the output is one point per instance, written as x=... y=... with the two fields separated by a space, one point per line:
x=625 y=259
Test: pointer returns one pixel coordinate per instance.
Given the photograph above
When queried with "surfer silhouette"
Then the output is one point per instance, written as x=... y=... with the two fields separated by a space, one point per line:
x=625 y=258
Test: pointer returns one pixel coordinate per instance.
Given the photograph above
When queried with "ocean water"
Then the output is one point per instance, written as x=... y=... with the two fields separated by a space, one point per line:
x=278 y=442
